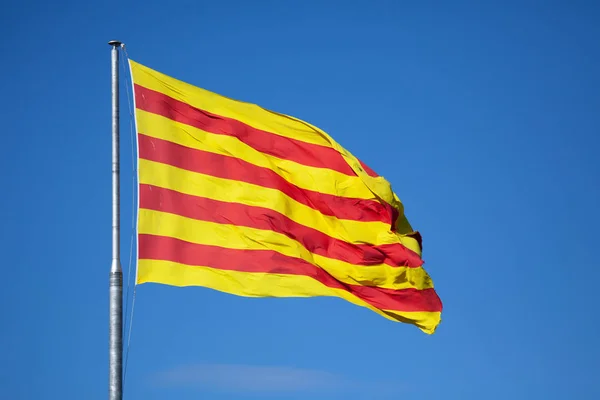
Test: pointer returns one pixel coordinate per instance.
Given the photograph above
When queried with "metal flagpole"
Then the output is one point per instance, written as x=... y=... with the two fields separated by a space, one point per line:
x=115 y=341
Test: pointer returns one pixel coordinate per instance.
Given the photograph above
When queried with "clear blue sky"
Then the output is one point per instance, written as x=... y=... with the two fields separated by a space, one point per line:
x=483 y=115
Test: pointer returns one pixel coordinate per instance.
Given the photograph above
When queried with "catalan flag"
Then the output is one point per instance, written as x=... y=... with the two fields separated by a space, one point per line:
x=254 y=203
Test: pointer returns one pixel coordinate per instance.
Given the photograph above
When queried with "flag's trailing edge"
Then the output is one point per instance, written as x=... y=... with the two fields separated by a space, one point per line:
x=250 y=202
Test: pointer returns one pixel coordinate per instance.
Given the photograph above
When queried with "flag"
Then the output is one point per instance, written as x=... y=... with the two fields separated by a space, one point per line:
x=250 y=202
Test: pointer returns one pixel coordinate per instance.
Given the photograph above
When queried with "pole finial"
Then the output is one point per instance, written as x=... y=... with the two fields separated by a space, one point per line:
x=115 y=43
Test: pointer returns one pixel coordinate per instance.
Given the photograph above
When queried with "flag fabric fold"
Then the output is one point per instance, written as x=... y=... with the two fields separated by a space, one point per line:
x=243 y=200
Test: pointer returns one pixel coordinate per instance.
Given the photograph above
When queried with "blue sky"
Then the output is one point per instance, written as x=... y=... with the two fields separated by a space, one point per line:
x=483 y=115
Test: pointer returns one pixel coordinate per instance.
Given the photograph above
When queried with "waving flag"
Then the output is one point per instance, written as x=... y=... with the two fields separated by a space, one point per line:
x=250 y=202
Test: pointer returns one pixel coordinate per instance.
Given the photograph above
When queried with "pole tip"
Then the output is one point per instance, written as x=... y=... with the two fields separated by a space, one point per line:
x=115 y=43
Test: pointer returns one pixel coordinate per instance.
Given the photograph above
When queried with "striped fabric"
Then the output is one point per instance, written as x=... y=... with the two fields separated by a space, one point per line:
x=246 y=201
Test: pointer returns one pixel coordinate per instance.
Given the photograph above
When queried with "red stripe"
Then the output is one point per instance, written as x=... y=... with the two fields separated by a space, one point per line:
x=268 y=261
x=237 y=169
x=266 y=142
x=317 y=242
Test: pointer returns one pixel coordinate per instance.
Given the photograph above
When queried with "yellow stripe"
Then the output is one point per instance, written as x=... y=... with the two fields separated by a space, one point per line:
x=232 y=191
x=240 y=237
x=279 y=124
x=312 y=178
x=250 y=114
x=254 y=284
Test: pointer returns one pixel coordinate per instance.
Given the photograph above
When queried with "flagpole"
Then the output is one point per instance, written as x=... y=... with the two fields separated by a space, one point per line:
x=115 y=341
